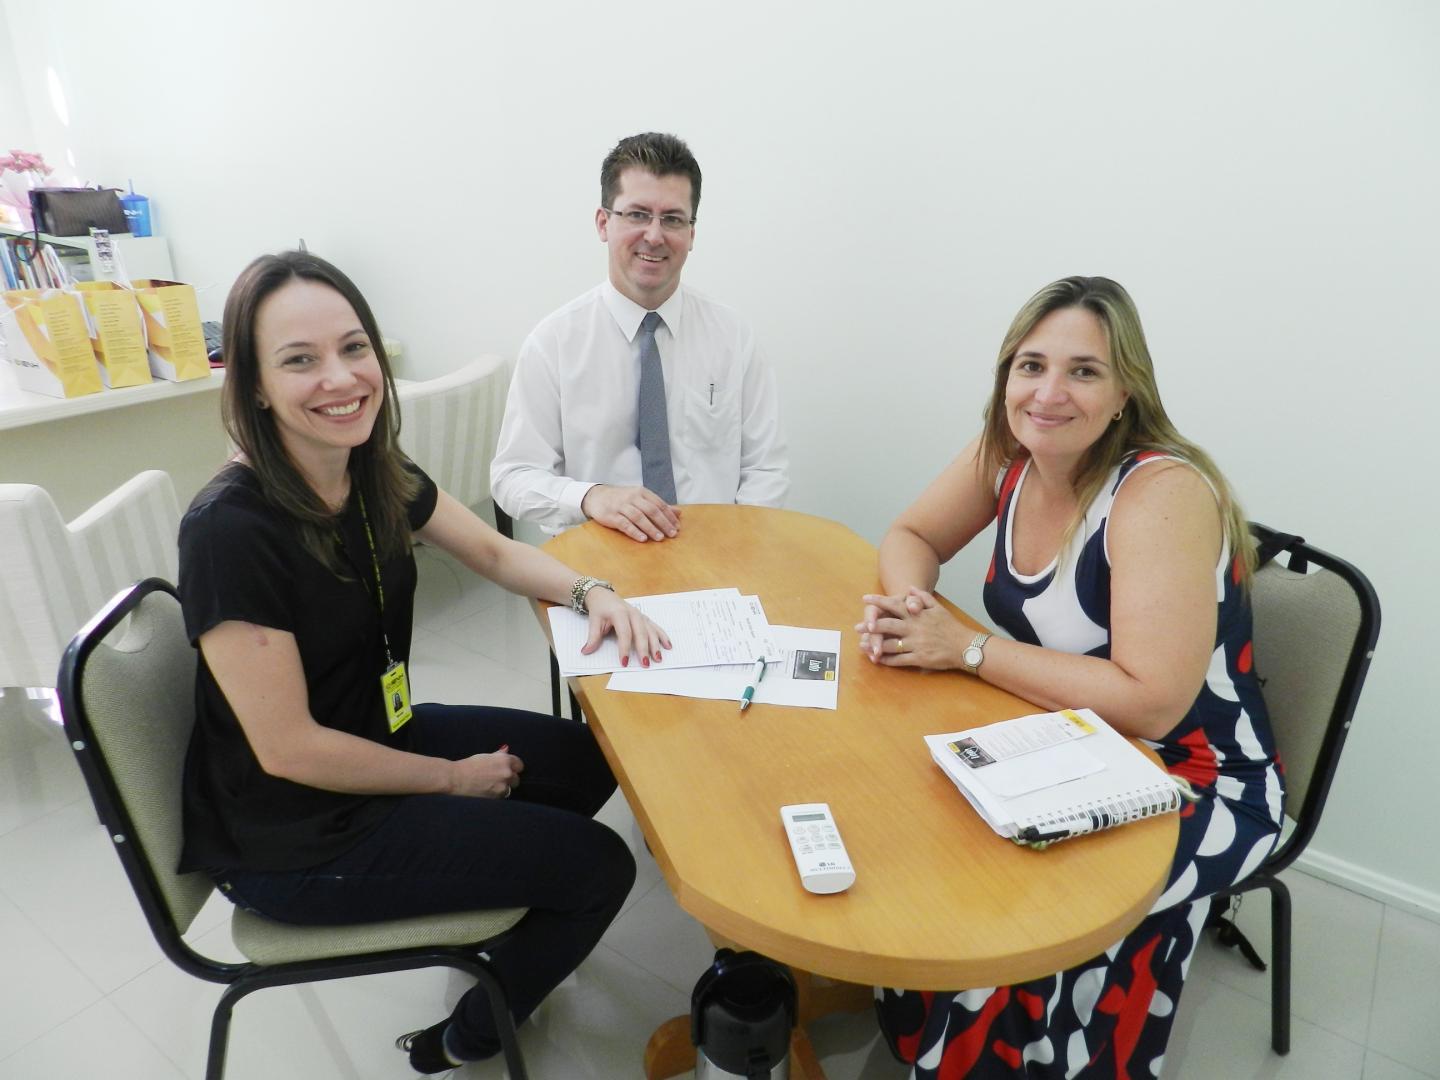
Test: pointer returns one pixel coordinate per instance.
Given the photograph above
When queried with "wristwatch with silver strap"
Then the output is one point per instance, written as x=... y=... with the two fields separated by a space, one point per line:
x=581 y=589
x=974 y=654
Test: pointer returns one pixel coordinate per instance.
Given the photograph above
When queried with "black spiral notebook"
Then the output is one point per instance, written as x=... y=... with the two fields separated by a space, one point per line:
x=1050 y=776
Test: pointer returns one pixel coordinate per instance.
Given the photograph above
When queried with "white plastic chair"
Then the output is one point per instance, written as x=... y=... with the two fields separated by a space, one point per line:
x=449 y=426
x=55 y=575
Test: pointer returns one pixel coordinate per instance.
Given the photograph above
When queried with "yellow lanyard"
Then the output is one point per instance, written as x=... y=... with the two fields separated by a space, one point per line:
x=394 y=684
x=379 y=586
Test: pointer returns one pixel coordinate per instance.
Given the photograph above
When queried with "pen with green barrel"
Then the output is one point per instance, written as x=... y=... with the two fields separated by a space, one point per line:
x=755 y=677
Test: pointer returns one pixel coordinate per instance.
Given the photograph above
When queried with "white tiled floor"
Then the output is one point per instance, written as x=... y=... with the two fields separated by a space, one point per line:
x=84 y=992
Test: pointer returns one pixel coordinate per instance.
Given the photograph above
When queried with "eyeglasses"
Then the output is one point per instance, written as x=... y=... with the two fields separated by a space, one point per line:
x=640 y=219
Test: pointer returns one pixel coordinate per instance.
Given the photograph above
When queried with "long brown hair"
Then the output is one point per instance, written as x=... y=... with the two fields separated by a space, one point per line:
x=1143 y=424
x=377 y=468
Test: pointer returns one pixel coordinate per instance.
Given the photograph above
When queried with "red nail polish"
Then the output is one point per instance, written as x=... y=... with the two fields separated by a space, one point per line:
x=625 y=661
x=657 y=656
x=645 y=661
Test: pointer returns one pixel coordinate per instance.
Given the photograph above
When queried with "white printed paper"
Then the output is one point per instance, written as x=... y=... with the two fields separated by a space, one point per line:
x=1060 y=764
x=1003 y=757
x=705 y=628
x=806 y=674
x=1026 y=734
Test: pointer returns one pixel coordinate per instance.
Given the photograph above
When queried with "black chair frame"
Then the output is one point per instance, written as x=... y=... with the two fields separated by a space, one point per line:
x=505 y=526
x=1300 y=556
x=239 y=979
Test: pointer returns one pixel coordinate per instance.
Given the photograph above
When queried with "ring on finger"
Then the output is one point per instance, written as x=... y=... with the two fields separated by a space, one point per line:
x=900 y=645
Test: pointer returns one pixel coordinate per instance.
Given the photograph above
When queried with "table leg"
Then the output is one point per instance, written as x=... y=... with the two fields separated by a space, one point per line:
x=804 y=1065
x=818 y=996
x=670 y=1052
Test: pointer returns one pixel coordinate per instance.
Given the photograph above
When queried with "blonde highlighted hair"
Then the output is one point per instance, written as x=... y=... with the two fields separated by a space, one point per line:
x=1143 y=423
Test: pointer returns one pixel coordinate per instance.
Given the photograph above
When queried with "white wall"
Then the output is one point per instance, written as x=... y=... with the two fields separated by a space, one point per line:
x=885 y=184
x=15 y=130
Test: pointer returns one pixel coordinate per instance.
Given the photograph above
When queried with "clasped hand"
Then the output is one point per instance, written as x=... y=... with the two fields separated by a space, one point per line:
x=635 y=511
x=910 y=630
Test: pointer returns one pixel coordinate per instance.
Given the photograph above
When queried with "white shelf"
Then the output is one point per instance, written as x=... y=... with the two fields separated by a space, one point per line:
x=142 y=256
x=77 y=242
x=20 y=408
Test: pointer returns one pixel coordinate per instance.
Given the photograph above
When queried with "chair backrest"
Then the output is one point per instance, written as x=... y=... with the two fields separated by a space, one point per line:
x=58 y=575
x=449 y=426
x=39 y=594
x=128 y=707
x=1317 y=619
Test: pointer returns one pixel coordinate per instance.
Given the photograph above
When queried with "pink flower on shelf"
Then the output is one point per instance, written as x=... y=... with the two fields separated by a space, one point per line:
x=20 y=171
x=22 y=161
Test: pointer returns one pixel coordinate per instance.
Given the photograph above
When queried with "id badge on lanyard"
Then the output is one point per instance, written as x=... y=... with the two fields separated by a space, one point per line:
x=394 y=683
x=395 y=686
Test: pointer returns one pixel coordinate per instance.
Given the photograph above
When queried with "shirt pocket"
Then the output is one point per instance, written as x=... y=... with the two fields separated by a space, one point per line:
x=712 y=418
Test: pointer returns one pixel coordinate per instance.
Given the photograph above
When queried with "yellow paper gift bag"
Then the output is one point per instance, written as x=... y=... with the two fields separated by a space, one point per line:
x=172 y=326
x=47 y=343
x=118 y=340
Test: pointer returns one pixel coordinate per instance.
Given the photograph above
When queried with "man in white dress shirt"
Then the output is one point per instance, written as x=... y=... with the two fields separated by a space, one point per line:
x=577 y=412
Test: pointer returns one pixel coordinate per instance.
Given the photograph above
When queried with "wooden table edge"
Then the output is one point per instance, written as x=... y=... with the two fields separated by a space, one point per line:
x=853 y=966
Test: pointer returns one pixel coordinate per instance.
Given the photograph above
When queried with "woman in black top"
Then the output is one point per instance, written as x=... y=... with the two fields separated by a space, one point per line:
x=314 y=792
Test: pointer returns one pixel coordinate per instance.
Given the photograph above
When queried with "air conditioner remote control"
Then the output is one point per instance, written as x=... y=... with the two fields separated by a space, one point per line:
x=820 y=855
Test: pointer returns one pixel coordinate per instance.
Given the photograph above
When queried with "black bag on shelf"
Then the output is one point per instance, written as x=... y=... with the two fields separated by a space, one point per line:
x=75 y=211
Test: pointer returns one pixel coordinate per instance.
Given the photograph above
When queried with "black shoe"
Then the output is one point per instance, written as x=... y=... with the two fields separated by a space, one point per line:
x=426 y=1048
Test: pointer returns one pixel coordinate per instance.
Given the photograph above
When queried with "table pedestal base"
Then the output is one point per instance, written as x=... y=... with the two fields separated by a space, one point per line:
x=670 y=1052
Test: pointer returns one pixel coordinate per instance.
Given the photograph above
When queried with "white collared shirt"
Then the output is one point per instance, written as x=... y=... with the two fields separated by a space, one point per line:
x=573 y=408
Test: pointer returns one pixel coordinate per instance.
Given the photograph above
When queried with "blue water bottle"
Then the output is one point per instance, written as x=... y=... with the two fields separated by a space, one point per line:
x=137 y=212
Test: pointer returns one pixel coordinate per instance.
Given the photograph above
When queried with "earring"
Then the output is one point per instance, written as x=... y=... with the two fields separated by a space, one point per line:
x=1118 y=413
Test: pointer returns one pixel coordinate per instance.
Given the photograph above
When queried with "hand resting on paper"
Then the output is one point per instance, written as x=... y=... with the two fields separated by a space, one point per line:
x=634 y=632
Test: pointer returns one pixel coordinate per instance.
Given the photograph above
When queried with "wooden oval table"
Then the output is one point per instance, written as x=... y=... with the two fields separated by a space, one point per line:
x=940 y=902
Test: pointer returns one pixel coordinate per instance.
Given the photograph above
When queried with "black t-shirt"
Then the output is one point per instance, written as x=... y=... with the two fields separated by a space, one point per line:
x=242 y=560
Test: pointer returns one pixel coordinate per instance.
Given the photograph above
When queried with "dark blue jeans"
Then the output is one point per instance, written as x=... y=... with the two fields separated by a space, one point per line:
x=443 y=853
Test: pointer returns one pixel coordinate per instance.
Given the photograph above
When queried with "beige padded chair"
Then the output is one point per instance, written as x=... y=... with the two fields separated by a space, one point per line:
x=57 y=575
x=1317 y=620
x=128 y=709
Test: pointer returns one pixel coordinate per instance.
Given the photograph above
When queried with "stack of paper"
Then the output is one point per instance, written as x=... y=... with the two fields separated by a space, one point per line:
x=717 y=636
x=1049 y=776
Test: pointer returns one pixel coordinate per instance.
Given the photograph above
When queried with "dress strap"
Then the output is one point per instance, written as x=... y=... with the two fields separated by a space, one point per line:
x=1005 y=484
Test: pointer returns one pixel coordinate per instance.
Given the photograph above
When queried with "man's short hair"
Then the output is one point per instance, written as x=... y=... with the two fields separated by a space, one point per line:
x=655 y=152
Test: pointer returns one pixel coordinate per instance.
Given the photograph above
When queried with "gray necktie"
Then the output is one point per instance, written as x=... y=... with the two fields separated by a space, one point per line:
x=653 y=438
